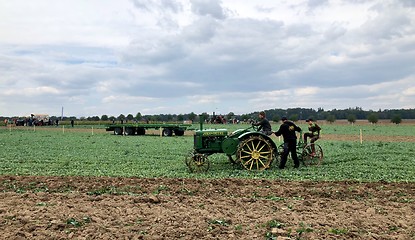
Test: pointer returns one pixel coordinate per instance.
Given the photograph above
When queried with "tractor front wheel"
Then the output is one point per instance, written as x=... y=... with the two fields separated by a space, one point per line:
x=197 y=162
x=255 y=153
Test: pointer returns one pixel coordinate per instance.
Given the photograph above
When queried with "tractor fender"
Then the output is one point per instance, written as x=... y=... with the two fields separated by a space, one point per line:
x=249 y=134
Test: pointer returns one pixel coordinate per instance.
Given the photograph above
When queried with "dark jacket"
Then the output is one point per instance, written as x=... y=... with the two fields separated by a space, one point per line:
x=264 y=125
x=314 y=129
x=287 y=130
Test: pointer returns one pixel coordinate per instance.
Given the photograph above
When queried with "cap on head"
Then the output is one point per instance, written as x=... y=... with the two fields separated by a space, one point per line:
x=283 y=118
x=309 y=120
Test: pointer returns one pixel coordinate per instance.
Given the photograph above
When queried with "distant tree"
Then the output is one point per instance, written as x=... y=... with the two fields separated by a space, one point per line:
x=192 y=116
x=121 y=117
x=112 y=118
x=153 y=118
x=373 y=118
x=245 y=117
x=104 y=117
x=168 y=117
x=93 y=118
x=276 y=118
x=230 y=115
x=396 y=119
x=331 y=118
x=351 y=118
x=138 y=116
x=205 y=116
x=130 y=117
x=180 y=117
x=294 y=117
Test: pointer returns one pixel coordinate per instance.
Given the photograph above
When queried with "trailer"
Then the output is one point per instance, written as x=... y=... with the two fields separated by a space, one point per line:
x=140 y=128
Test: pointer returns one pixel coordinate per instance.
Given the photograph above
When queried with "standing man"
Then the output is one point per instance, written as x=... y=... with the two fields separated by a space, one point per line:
x=287 y=130
x=264 y=125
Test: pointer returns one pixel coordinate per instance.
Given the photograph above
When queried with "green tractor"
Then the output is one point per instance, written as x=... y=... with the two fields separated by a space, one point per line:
x=250 y=148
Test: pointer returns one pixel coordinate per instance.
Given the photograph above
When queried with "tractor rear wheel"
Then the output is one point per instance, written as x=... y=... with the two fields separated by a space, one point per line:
x=255 y=153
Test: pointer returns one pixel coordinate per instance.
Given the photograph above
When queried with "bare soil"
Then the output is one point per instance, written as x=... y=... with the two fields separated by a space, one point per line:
x=36 y=207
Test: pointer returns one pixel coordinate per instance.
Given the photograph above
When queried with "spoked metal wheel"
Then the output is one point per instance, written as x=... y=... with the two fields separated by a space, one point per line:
x=197 y=162
x=255 y=153
x=312 y=154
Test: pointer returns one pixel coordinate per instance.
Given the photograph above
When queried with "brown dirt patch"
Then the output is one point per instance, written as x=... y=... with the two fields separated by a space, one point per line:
x=133 y=208
x=370 y=138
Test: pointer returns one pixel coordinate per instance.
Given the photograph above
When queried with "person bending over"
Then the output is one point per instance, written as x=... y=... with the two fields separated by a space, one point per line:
x=288 y=131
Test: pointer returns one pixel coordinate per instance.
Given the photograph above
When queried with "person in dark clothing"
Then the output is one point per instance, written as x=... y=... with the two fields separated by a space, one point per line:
x=264 y=125
x=314 y=134
x=314 y=131
x=287 y=130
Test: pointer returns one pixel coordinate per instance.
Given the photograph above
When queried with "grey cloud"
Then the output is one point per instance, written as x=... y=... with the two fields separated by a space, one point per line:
x=200 y=31
x=142 y=4
x=316 y=3
x=213 y=55
x=299 y=30
x=334 y=32
x=171 y=5
x=161 y=5
x=208 y=8
x=408 y=3
x=386 y=26
x=157 y=52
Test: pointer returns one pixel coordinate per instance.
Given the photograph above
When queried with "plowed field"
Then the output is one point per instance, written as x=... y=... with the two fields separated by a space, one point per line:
x=135 y=208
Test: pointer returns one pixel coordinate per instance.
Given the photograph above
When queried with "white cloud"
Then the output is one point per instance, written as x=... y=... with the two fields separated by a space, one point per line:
x=105 y=57
x=30 y=92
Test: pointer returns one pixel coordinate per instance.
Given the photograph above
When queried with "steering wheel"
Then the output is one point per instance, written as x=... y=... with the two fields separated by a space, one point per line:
x=255 y=128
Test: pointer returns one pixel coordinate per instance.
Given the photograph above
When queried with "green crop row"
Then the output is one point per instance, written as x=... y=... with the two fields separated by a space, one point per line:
x=103 y=154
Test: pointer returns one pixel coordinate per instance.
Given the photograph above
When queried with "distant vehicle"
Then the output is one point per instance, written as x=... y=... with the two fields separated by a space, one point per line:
x=20 y=122
x=38 y=120
x=140 y=128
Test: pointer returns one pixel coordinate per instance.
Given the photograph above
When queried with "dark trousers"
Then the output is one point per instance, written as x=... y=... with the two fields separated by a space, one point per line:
x=312 y=137
x=290 y=146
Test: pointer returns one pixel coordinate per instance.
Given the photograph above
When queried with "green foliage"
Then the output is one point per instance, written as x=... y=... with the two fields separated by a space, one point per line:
x=396 y=119
x=293 y=117
x=331 y=118
x=338 y=231
x=373 y=118
x=276 y=118
x=192 y=116
x=351 y=118
x=274 y=223
x=79 y=153
x=75 y=223
x=222 y=222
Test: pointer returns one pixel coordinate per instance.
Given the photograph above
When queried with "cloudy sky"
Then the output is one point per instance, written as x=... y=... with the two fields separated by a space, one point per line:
x=117 y=57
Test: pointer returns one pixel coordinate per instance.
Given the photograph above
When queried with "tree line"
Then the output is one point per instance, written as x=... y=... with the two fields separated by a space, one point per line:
x=294 y=114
